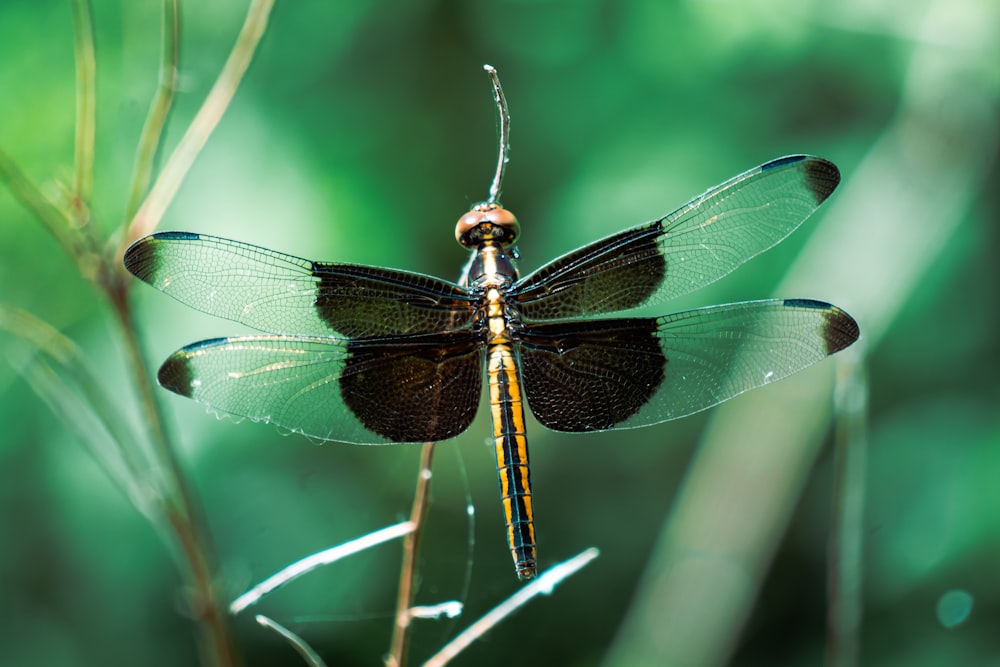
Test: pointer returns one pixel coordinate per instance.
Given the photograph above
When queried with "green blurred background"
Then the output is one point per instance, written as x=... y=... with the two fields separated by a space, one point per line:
x=361 y=132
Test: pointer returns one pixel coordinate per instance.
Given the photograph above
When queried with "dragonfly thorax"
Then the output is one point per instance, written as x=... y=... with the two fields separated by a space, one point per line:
x=490 y=267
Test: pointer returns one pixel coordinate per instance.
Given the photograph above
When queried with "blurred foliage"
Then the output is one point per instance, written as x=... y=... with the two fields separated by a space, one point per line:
x=361 y=133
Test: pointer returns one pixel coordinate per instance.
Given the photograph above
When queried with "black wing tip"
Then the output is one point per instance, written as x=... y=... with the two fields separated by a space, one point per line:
x=138 y=259
x=175 y=373
x=822 y=176
x=840 y=330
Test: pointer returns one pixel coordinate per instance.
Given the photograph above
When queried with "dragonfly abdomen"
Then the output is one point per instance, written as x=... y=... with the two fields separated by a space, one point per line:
x=507 y=409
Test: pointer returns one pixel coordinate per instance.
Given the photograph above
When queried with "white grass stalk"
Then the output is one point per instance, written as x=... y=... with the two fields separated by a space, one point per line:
x=308 y=654
x=544 y=584
x=318 y=559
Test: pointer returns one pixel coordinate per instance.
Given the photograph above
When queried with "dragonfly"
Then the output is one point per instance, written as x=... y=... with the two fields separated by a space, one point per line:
x=372 y=355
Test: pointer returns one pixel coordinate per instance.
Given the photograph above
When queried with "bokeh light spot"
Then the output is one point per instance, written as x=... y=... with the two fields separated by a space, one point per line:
x=954 y=607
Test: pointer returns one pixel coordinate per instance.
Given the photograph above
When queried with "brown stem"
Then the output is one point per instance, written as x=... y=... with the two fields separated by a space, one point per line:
x=411 y=545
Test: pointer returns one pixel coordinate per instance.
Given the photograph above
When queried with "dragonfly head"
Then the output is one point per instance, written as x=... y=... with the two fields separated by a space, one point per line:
x=487 y=222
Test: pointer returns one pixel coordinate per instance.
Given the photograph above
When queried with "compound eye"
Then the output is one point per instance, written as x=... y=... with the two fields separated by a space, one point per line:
x=504 y=219
x=466 y=224
x=487 y=222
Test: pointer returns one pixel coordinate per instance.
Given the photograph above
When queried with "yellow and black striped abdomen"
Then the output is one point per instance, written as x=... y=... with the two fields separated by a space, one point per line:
x=507 y=409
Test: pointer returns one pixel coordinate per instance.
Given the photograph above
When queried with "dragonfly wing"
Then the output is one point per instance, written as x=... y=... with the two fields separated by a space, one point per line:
x=407 y=389
x=276 y=293
x=699 y=243
x=625 y=373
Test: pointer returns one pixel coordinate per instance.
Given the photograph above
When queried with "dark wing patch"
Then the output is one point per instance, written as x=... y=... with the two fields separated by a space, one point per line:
x=364 y=301
x=618 y=273
x=590 y=375
x=414 y=390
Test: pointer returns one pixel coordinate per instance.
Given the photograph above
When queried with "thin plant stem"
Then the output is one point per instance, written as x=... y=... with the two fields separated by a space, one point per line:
x=308 y=654
x=181 y=508
x=159 y=109
x=845 y=562
x=86 y=107
x=204 y=123
x=411 y=546
x=543 y=585
x=504 y=132
x=306 y=565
